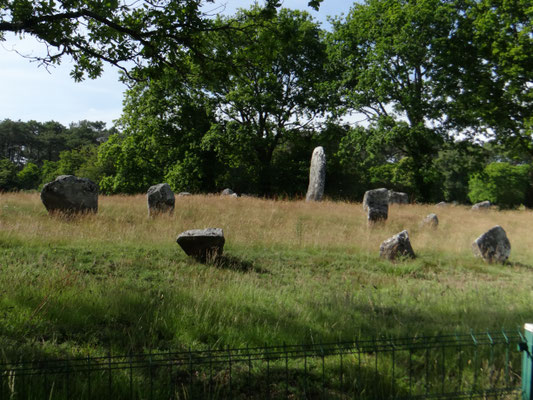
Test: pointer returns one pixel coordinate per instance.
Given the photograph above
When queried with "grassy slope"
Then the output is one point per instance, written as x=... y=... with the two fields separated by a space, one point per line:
x=294 y=272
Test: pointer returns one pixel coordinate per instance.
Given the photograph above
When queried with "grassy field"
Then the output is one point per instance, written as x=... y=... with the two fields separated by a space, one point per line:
x=293 y=272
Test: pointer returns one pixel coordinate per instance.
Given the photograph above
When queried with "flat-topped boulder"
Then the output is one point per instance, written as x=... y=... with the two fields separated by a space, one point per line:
x=202 y=244
x=398 y=197
x=442 y=204
x=484 y=205
x=69 y=194
x=396 y=247
x=184 y=194
x=430 y=221
x=160 y=199
x=376 y=204
x=492 y=246
x=317 y=175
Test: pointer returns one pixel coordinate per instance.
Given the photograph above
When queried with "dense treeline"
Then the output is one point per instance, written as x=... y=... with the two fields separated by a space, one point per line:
x=430 y=97
x=33 y=153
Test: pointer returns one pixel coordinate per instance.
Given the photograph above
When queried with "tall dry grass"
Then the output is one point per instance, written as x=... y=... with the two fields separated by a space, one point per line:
x=265 y=224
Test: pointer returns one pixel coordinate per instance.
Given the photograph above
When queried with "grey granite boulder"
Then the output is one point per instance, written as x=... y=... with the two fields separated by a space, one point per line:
x=229 y=192
x=431 y=221
x=484 y=205
x=492 y=246
x=397 y=246
x=202 y=244
x=398 y=197
x=160 y=199
x=183 y=194
x=442 y=204
x=376 y=204
x=69 y=194
x=317 y=175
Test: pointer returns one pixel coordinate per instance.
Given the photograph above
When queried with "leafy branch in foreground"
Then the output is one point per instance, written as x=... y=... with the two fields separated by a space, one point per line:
x=147 y=33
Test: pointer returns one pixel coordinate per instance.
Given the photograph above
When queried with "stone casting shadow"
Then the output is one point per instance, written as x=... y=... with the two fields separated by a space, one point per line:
x=227 y=261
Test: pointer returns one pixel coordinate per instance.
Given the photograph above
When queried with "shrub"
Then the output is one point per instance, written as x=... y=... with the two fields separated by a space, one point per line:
x=501 y=183
x=29 y=177
x=8 y=175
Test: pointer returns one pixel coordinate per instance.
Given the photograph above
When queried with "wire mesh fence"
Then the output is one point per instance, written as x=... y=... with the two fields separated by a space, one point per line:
x=482 y=365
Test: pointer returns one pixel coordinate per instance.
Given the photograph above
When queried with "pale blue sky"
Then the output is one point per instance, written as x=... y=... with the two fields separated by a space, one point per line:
x=30 y=92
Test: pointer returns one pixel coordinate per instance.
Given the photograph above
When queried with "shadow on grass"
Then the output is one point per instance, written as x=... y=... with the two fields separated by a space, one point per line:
x=519 y=265
x=237 y=264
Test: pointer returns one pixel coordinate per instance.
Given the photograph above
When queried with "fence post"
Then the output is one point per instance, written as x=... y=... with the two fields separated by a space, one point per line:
x=527 y=362
x=286 y=370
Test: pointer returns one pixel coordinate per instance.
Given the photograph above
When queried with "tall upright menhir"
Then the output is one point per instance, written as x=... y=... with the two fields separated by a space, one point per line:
x=317 y=175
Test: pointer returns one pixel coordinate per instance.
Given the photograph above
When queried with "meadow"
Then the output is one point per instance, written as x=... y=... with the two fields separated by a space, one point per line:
x=292 y=272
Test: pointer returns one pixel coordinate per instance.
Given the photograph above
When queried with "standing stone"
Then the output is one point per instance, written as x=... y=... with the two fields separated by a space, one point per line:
x=317 y=175
x=69 y=194
x=397 y=246
x=229 y=192
x=160 y=199
x=492 y=246
x=376 y=204
x=202 y=244
x=431 y=221
x=484 y=205
x=398 y=197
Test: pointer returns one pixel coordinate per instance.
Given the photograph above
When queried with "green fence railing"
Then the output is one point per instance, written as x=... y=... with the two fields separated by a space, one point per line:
x=476 y=365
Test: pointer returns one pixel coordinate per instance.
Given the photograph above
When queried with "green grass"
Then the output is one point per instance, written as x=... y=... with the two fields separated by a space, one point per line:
x=119 y=281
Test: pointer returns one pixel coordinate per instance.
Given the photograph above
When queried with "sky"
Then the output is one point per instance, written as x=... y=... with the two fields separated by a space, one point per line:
x=28 y=91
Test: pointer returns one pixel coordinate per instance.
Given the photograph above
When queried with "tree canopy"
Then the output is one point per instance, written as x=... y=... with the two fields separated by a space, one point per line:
x=148 y=33
x=32 y=141
x=256 y=94
x=426 y=71
x=265 y=88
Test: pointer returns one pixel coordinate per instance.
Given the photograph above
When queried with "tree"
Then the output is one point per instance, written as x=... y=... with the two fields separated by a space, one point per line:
x=403 y=65
x=30 y=141
x=35 y=142
x=501 y=183
x=8 y=175
x=86 y=133
x=82 y=162
x=147 y=33
x=162 y=125
x=13 y=138
x=498 y=85
x=222 y=125
x=457 y=162
x=264 y=84
x=29 y=177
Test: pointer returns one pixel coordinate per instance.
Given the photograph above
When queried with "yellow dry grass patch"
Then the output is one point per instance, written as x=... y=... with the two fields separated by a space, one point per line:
x=268 y=223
